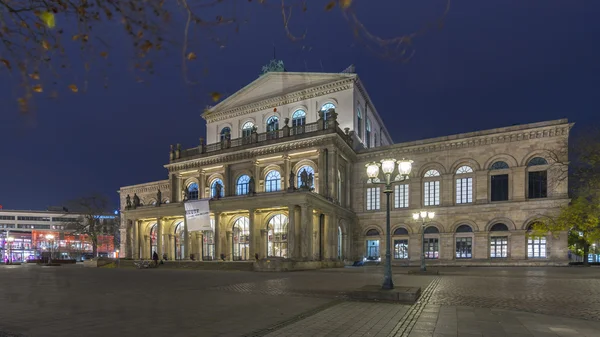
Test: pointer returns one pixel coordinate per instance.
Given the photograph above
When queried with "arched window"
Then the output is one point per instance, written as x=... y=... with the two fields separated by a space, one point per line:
x=225 y=132
x=214 y=188
x=298 y=118
x=464 y=185
x=537 y=178
x=431 y=188
x=273 y=181
x=499 y=241
x=192 y=191
x=278 y=230
x=499 y=165
x=536 y=245
x=432 y=230
x=431 y=243
x=180 y=241
x=368 y=133
x=359 y=121
x=537 y=161
x=154 y=240
x=372 y=232
x=241 y=239
x=247 y=129
x=326 y=109
x=242 y=186
x=272 y=124
x=464 y=229
x=400 y=231
x=309 y=170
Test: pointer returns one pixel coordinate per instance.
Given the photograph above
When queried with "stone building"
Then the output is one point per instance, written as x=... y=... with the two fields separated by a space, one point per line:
x=284 y=165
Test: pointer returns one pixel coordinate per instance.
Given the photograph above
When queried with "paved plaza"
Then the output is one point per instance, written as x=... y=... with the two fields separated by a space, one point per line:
x=76 y=301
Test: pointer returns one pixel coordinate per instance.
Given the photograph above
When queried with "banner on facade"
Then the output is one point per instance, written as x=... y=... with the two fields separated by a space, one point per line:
x=197 y=215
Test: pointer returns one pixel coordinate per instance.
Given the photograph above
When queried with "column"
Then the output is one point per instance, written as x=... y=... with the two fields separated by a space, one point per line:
x=286 y=172
x=265 y=242
x=172 y=249
x=345 y=252
x=186 y=240
x=229 y=246
x=200 y=240
x=251 y=230
x=256 y=174
x=333 y=174
x=306 y=231
x=217 y=236
x=134 y=239
x=227 y=181
x=146 y=248
x=140 y=240
x=333 y=236
x=202 y=186
x=322 y=170
x=167 y=246
x=159 y=237
x=180 y=188
x=291 y=236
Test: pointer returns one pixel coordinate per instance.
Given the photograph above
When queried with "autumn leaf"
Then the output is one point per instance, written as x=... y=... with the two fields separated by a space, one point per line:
x=191 y=56
x=345 y=3
x=330 y=5
x=45 y=44
x=104 y=54
x=6 y=63
x=35 y=76
x=38 y=88
x=48 y=19
x=76 y=37
x=215 y=96
x=73 y=88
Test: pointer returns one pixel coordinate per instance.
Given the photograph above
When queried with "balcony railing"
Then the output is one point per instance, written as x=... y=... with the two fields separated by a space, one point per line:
x=322 y=126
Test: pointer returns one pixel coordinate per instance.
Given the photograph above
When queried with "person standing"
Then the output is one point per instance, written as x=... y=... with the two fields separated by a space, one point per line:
x=155 y=258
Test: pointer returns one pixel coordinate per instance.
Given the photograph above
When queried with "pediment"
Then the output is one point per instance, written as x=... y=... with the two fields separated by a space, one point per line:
x=273 y=85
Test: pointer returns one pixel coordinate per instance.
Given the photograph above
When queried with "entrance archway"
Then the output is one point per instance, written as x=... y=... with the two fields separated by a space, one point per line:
x=180 y=241
x=153 y=239
x=277 y=236
x=241 y=239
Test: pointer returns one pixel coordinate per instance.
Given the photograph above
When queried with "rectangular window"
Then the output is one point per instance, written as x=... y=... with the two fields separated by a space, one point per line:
x=7 y=217
x=401 y=196
x=431 y=193
x=464 y=190
x=499 y=187
x=400 y=249
x=431 y=247
x=373 y=198
x=538 y=184
x=536 y=247
x=499 y=247
x=464 y=247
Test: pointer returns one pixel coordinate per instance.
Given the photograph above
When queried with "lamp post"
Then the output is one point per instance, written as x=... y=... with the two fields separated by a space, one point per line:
x=10 y=240
x=388 y=166
x=49 y=237
x=423 y=215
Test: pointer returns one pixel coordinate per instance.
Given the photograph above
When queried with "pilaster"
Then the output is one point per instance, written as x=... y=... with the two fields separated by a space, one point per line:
x=291 y=236
x=286 y=171
x=229 y=245
x=217 y=236
x=159 y=237
x=202 y=185
x=306 y=230
x=186 y=240
x=251 y=229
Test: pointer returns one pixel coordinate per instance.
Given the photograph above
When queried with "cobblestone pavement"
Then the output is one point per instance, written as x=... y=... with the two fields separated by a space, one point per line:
x=74 y=301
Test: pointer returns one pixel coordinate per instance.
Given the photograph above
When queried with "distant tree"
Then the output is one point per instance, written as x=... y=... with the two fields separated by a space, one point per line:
x=41 y=41
x=581 y=218
x=93 y=221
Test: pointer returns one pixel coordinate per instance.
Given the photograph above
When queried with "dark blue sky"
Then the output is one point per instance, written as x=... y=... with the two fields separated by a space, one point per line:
x=495 y=63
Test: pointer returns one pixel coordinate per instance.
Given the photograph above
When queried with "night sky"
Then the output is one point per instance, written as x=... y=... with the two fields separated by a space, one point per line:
x=495 y=63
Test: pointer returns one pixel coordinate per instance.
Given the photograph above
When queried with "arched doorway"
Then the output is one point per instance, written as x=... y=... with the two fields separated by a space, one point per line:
x=153 y=239
x=241 y=239
x=277 y=236
x=180 y=241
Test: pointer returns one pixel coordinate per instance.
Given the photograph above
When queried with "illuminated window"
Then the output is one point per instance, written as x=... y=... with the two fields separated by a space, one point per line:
x=309 y=170
x=298 y=118
x=180 y=241
x=359 y=120
x=225 y=132
x=326 y=108
x=401 y=196
x=241 y=239
x=213 y=188
x=277 y=232
x=243 y=185
x=464 y=186
x=247 y=129
x=431 y=188
x=272 y=124
x=273 y=181
x=192 y=191
x=401 y=249
x=373 y=198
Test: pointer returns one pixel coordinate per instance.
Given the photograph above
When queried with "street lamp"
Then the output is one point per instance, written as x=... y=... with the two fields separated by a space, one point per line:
x=10 y=240
x=423 y=215
x=49 y=237
x=388 y=167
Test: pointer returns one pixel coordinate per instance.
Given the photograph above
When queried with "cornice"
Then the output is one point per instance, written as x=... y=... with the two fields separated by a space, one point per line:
x=468 y=142
x=278 y=101
x=147 y=187
x=249 y=154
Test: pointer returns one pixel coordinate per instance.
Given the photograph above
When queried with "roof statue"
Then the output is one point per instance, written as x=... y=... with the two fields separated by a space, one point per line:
x=274 y=65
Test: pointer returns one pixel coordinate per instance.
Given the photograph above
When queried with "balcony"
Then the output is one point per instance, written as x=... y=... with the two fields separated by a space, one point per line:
x=287 y=133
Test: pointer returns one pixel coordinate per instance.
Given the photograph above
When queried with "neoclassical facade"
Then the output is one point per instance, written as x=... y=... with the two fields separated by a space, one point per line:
x=283 y=164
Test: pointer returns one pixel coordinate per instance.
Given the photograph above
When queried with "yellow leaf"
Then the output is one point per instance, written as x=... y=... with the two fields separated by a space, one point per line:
x=191 y=56
x=104 y=54
x=215 y=96
x=345 y=3
x=48 y=19
x=330 y=5
x=35 y=76
x=76 y=37
x=45 y=44
x=73 y=88
x=38 y=88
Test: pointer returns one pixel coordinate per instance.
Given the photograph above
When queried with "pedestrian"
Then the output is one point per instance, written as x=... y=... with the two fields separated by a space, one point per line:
x=155 y=258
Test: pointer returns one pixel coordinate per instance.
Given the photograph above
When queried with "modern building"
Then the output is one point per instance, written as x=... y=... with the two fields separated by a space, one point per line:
x=28 y=235
x=284 y=163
